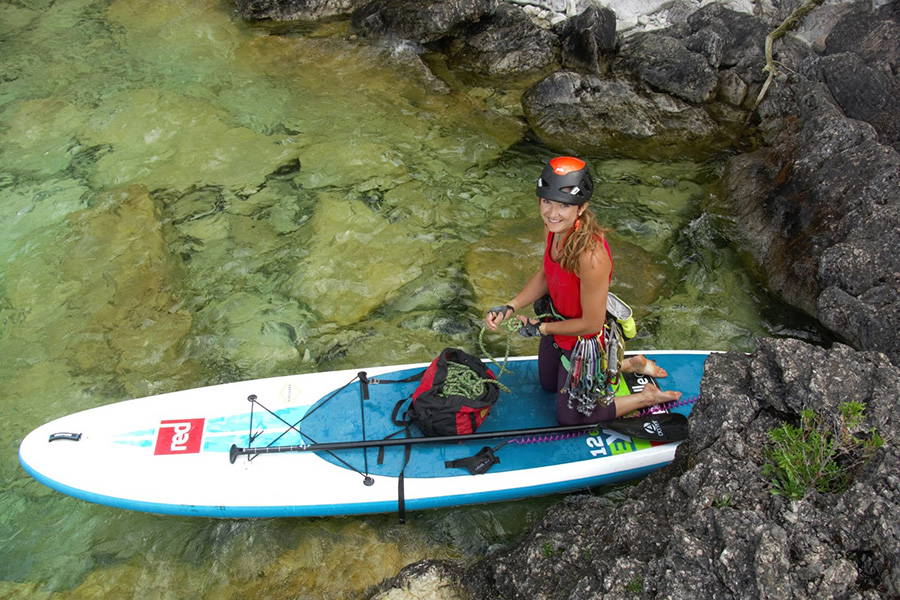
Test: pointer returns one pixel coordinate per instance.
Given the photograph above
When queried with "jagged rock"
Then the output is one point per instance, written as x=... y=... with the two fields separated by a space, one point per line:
x=864 y=93
x=568 y=110
x=666 y=64
x=819 y=206
x=708 y=43
x=677 y=67
x=294 y=10
x=710 y=521
x=505 y=43
x=587 y=39
x=420 y=21
x=872 y=33
x=742 y=37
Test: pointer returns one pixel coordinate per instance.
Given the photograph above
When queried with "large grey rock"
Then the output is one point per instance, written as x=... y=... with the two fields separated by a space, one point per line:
x=420 y=21
x=598 y=116
x=818 y=207
x=743 y=38
x=294 y=10
x=871 y=32
x=667 y=65
x=503 y=44
x=861 y=63
x=588 y=39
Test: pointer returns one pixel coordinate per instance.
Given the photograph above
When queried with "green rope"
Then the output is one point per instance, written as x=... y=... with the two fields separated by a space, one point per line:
x=512 y=326
x=463 y=381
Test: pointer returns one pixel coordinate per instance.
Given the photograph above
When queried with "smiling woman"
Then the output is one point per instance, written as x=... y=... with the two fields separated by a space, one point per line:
x=575 y=275
x=186 y=201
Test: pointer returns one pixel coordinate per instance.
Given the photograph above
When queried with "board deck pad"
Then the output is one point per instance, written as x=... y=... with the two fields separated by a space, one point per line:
x=128 y=451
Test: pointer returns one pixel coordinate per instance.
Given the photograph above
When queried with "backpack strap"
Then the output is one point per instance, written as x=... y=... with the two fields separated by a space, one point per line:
x=402 y=422
x=414 y=377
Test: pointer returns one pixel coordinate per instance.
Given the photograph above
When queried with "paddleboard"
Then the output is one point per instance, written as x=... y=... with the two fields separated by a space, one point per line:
x=171 y=453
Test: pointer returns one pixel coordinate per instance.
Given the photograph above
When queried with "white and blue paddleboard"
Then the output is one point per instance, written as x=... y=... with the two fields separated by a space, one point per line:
x=172 y=453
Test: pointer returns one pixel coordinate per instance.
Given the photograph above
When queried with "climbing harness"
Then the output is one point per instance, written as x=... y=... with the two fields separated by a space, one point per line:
x=594 y=368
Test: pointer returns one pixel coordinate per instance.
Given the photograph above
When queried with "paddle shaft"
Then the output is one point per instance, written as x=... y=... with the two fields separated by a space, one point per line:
x=634 y=427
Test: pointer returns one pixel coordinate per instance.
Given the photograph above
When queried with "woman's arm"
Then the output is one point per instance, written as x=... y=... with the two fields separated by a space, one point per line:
x=594 y=271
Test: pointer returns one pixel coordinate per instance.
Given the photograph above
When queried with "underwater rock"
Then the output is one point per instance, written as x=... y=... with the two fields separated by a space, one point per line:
x=41 y=136
x=370 y=165
x=163 y=140
x=431 y=579
x=252 y=332
x=111 y=304
x=341 y=279
x=407 y=55
x=499 y=265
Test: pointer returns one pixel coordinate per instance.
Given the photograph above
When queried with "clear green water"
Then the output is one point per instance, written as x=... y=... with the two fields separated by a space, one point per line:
x=156 y=234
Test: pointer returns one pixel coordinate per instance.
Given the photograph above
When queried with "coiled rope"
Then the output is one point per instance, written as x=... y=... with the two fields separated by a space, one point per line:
x=512 y=326
x=463 y=381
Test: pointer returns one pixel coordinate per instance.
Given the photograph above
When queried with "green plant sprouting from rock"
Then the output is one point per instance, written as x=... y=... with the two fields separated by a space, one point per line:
x=819 y=454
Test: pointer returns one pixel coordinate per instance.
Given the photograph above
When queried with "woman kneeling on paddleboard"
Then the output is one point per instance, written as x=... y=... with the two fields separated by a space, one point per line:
x=576 y=272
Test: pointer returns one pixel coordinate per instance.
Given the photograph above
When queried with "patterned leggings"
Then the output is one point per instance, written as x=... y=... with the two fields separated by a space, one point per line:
x=553 y=374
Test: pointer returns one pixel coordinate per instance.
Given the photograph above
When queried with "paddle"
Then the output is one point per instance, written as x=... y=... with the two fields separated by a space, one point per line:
x=665 y=427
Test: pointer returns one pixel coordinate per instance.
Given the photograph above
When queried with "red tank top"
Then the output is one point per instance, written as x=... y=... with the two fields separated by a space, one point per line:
x=565 y=290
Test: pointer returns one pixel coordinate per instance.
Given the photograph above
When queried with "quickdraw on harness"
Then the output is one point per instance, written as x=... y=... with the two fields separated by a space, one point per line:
x=594 y=369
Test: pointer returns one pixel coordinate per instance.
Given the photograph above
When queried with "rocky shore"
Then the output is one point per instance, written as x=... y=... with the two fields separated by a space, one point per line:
x=708 y=525
x=812 y=183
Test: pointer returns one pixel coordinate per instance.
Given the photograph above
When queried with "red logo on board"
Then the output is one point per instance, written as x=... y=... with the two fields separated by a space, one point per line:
x=182 y=436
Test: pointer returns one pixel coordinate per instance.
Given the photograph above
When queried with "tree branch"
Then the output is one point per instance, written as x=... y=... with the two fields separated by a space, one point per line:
x=794 y=19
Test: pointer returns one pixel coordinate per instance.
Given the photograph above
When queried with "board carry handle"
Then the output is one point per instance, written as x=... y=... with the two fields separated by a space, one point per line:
x=665 y=427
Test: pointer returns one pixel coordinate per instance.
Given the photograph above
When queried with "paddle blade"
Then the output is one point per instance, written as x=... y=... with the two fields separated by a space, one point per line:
x=663 y=427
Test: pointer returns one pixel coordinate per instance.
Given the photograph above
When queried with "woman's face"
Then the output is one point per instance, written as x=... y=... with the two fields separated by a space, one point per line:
x=559 y=217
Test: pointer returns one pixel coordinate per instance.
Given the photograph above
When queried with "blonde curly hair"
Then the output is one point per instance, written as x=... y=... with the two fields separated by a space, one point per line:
x=582 y=238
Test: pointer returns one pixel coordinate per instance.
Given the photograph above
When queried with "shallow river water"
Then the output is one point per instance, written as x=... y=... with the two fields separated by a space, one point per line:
x=188 y=200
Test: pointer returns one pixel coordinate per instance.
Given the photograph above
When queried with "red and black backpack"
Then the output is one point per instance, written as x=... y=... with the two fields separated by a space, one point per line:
x=437 y=412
